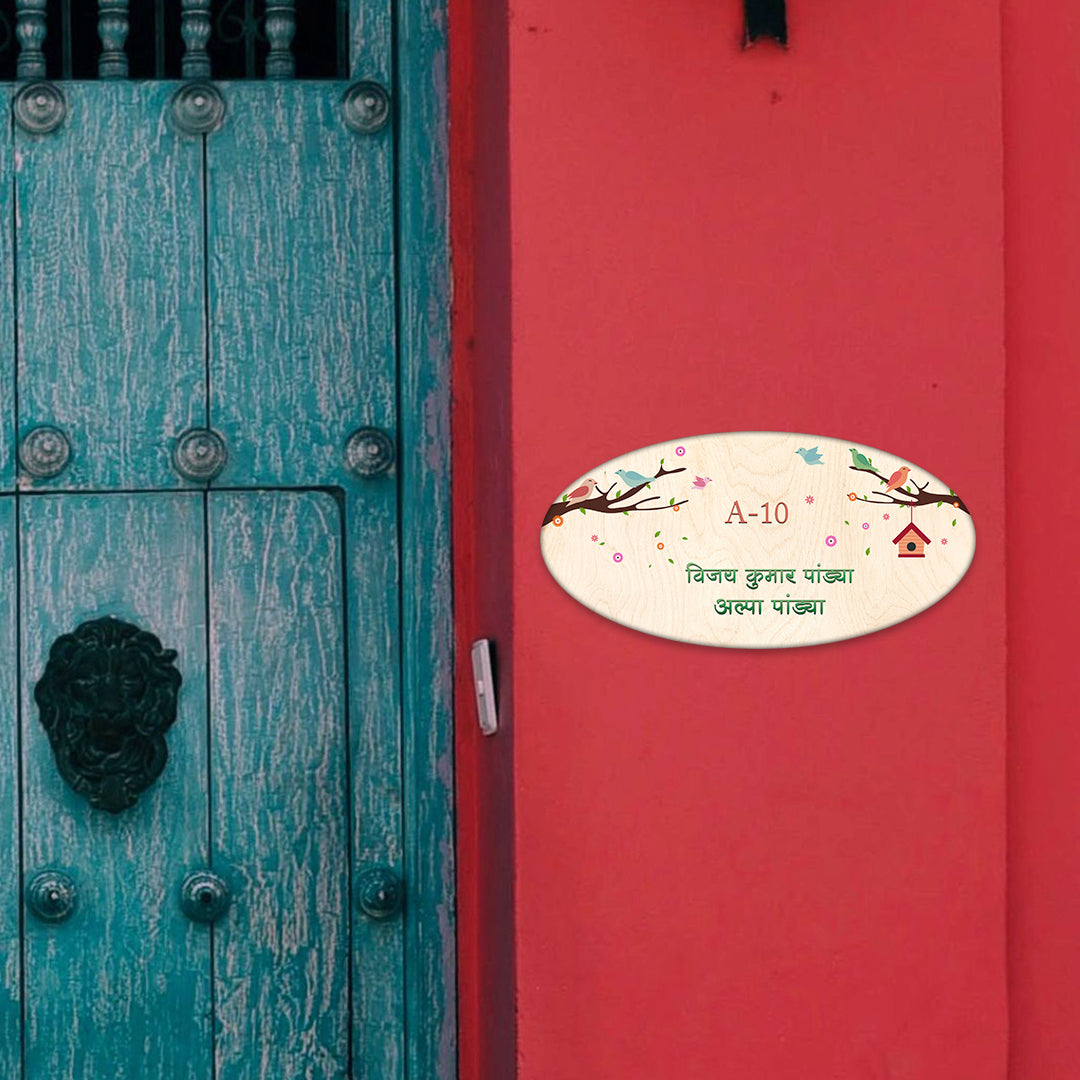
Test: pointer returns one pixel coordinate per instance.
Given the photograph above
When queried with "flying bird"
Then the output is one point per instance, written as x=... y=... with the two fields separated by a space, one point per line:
x=701 y=481
x=811 y=456
x=580 y=494
x=898 y=479
x=860 y=461
x=633 y=479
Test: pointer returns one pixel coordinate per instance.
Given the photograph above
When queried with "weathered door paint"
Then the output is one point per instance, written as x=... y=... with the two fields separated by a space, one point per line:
x=246 y=281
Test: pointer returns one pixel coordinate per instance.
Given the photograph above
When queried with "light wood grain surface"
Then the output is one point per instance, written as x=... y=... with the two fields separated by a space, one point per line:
x=625 y=575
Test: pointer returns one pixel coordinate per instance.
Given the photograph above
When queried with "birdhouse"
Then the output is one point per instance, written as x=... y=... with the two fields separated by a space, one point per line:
x=910 y=542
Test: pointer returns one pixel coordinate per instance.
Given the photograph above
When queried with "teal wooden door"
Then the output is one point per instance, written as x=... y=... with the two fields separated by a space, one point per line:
x=228 y=838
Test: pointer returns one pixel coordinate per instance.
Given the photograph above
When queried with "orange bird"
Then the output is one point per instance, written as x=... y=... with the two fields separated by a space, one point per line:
x=898 y=479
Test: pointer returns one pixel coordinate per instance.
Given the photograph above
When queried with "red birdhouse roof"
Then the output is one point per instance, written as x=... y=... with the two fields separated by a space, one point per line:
x=910 y=528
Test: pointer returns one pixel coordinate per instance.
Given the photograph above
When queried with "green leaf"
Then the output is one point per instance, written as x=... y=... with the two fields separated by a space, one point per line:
x=954 y=521
x=617 y=494
x=603 y=542
x=565 y=497
x=626 y=512
x=671 y=501
x=661 y=461
x=951 y=492
x=672 y=561
x=656 y=534
x=582 y=509
x=939 y=506
x=684 y=537
x=847 y=522
x=867 y=551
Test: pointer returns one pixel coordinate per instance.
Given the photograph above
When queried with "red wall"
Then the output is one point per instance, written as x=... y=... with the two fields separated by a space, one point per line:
x=727 y=864
x=1042 y=100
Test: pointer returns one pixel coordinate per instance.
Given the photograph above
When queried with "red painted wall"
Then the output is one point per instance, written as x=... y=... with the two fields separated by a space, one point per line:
x=728 y=864
x=1042 y=189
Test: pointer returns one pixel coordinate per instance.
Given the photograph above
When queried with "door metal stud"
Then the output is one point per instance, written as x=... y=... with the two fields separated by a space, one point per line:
x=204 y=897
x=44 y=452
x=198 y=108
x=382 y=893
x=369 y=452
x=40 y=107
x=50 y=895
x=366 y=107
x=199 y=454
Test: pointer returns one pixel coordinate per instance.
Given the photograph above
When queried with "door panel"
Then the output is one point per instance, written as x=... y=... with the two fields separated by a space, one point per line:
x=110 y=284
x=279 y=769
x=10 y=1018
x=302 y=330
x=7 y=315
x=122 y=987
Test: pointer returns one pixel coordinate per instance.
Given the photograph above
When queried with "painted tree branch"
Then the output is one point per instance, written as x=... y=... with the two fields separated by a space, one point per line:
x=603 y=502
x=919 y=497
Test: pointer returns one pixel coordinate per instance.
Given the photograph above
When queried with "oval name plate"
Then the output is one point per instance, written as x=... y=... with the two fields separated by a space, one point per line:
x=758 y=539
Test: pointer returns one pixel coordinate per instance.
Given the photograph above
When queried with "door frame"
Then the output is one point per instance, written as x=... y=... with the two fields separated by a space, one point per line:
x=421 y=151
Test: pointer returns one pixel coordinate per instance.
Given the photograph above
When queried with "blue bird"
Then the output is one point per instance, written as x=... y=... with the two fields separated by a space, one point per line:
x=633 y=479
x=811 y=456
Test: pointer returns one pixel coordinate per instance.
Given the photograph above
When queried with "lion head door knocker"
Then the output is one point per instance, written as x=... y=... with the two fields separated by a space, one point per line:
x=106 y=699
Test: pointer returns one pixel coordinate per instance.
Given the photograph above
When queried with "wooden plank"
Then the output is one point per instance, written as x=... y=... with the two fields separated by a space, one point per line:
x=10 y=936
x=375 y=751
x=300 y=234
x=279 y=768
x=424 y=464
x=7 y=320
x=302 y=353
x=123 y=987
x=370 y=38
x=110 y=297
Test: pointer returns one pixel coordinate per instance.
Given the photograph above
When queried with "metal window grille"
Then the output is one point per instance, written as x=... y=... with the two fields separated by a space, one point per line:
x=173 y=39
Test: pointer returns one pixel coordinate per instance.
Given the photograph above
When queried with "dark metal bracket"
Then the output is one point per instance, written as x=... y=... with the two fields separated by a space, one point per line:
x=766 y=18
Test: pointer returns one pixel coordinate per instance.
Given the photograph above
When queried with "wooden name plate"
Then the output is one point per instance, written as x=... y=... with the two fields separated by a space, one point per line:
x=758 y=539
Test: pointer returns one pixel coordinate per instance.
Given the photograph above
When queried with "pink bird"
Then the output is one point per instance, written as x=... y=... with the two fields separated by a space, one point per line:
x=701 y=481
x=898 y=479
x=580 y=494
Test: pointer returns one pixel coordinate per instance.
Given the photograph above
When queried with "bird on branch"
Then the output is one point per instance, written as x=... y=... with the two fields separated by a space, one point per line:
x=898 y=479
x=633 y=479
x=580 y=494
x=860 y=461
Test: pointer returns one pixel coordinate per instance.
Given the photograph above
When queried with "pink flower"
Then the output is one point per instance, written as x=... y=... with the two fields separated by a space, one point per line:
x=809 y=500
x=885 y=517
x=595 y=537
x=944 y=539
x=830 y=541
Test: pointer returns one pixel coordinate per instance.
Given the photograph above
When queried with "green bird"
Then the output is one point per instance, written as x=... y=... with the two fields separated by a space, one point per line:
x=859 y=460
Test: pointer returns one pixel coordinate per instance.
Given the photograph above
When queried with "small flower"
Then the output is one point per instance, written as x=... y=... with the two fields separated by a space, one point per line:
x=956 y=504
x=617 y=557
x=884 y=517
x=830 y=541
x=866 y=524
x=944 y=539
x=660 y=546
x=809 y=500
x=852 y=496
x=595 y=537
x=556 y=521
x=680 y=450
x=675 y=508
